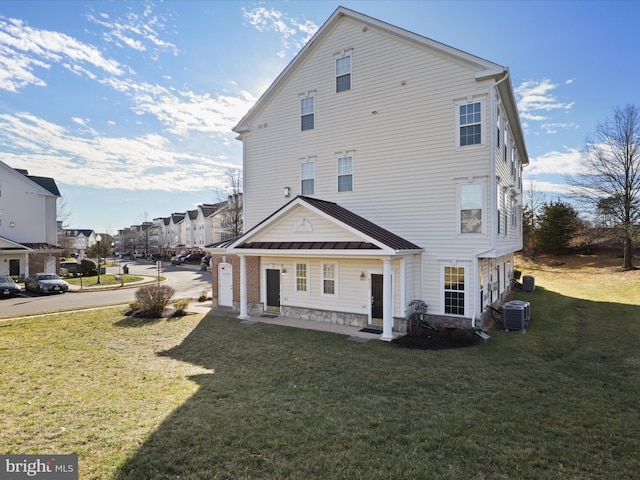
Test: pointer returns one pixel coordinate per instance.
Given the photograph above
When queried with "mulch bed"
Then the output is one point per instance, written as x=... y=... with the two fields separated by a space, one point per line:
x=424 y=338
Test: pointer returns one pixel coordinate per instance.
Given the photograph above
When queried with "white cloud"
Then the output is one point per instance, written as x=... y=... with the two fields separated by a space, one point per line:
x=546 y=187
x=294 y=34
x=145 y=162
x=24 y=49
x=560 y=163
x=137 y=31
x=536 y=100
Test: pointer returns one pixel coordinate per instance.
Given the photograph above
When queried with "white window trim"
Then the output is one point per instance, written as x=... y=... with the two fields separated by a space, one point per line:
x=460 y=184
x=305 y=96
x=467 y=279
x=335 y=280
x=353 y=161
x=483 y=121
x=295 y=278
x=339 y=57
x=306 y=161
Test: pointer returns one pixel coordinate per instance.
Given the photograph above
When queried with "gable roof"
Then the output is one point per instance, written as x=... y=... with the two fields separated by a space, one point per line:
x=485 y=69
x=46 y=185
x=373 y=237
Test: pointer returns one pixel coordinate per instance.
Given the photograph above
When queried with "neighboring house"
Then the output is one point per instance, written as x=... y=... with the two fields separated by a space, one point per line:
x=28 y=227
x=78 y=240
x=380 y=167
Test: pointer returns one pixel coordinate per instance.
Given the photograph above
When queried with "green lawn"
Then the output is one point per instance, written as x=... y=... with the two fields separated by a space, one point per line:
x=208 y=397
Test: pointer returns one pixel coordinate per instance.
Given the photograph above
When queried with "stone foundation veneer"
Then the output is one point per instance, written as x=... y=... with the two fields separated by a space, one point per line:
x=325 y=316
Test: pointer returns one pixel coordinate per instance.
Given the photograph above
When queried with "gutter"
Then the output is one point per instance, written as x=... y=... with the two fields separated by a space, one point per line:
x=493 y=195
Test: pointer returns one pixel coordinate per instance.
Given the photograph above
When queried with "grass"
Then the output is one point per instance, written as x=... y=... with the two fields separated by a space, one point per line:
x=107 y=279
x=209 y=397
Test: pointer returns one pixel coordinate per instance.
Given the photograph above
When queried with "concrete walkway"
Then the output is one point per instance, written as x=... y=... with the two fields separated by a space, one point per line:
x=352 y=333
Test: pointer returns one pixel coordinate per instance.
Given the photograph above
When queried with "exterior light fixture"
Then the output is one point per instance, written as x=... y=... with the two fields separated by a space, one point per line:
x=287 y=192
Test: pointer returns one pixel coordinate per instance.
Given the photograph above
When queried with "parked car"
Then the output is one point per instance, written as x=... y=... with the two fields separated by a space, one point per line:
x=178 y=259
x=8 y=287
x=193 y=258
x=70 y=267
x=155 y=257
x=45 y=283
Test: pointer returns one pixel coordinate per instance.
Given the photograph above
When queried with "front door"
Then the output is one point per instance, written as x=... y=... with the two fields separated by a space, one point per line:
x=14 y=267
x=377 y=309
x=225 y=285
x=273 y=290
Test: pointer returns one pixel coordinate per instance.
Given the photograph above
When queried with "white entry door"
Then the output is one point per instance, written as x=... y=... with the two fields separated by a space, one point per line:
x=225 y=285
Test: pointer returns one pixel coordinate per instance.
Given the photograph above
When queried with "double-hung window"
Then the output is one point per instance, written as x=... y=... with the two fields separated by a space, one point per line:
x=470 y=121
x=307 y=112
x=343 y=73
x=345 y=174
x=302 y=280
x=471 y=200
x=329 y=279
x=454 y=290
x=307 y=178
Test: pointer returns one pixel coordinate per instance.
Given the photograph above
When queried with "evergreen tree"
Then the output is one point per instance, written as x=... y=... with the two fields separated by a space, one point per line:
x=557 y=225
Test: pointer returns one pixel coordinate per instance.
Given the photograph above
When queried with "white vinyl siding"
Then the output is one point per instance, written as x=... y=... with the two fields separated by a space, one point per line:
x=407 y=178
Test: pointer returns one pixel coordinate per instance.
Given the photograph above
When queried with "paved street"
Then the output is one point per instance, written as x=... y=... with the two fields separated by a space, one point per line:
x=187 y=280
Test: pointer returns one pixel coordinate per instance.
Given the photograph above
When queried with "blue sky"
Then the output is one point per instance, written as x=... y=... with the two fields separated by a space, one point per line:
x=130 y=105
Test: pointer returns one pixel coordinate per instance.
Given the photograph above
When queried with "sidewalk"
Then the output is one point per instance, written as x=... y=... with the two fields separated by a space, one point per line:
x=352 y=333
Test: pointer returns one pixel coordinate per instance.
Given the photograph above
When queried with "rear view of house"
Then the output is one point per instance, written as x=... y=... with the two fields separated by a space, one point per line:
x=380 y=167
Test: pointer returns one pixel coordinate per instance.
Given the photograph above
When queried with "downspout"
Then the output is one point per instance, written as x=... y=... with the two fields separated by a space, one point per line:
x=492 y=196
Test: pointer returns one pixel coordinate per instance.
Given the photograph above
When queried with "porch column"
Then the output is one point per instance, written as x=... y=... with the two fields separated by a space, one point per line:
x=387 y=302
x=243 y=288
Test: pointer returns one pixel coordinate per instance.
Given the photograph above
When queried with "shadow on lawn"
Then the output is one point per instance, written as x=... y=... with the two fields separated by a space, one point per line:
x=276 y=408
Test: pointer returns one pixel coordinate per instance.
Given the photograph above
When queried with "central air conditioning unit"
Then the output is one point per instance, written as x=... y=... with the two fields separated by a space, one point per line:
x=513 y=317
x=528 y=283
x=527 y=309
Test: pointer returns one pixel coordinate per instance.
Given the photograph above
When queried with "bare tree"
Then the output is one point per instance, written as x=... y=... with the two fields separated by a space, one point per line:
x=231 y=220
x=611 y=175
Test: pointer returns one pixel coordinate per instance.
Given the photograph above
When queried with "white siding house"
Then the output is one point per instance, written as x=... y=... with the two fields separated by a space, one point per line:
x=381 y=167
x=28 y=227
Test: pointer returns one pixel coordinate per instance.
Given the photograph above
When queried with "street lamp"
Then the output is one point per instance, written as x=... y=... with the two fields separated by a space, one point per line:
x=98 y=239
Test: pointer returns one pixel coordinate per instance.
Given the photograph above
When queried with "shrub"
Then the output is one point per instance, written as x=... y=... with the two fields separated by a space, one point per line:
x=180 y=306
x=88 y=268
x=203 y=297
x=152 y=300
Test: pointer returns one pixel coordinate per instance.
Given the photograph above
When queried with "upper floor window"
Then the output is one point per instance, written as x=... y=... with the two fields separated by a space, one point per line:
x=343 y=73
x=470 y=121
x=471 y=200
x=307 y=177
x=345 y=174
x=307 y=113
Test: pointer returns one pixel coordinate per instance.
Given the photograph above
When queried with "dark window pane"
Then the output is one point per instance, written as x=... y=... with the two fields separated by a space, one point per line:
x=307 y=187
x=343 y=82
x=470 y=135
x=307 y=122
x=345 y=183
